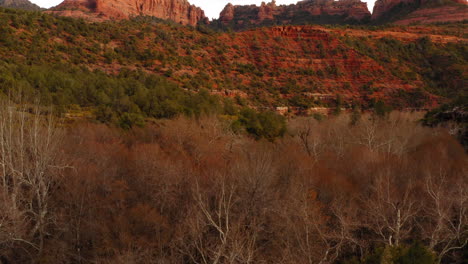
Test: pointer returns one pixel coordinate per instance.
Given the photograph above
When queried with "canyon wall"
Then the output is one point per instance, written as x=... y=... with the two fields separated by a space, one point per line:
x=308 y=11
x=180 y=11
x=420 y=11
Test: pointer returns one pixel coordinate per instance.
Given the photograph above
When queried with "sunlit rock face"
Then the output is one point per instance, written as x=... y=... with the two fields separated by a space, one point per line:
x=320 y=11
x=180 y=11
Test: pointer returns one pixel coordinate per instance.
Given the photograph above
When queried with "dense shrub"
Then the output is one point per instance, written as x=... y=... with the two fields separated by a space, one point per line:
x=266 y=125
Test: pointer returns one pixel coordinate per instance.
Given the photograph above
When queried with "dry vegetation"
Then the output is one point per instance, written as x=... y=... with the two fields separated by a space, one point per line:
x=192 y=191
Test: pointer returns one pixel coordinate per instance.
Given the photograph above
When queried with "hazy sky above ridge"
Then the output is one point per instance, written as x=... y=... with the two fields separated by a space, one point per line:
x=212 y=8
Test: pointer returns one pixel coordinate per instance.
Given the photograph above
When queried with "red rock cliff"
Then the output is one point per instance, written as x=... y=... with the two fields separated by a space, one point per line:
x=383 y=6
x=227 y=14
x=422 y=11
x=180 y=11
x=318 y=11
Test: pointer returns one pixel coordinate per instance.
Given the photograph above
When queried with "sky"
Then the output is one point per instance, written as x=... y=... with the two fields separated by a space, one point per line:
x=212 y=7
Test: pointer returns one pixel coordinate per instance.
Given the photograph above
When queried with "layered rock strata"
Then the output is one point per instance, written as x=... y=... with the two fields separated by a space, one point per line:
x=420 y=11
x=180 y=11
x=308 y=11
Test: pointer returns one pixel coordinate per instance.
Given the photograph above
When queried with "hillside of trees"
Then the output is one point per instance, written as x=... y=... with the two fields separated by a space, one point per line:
x=120 y=67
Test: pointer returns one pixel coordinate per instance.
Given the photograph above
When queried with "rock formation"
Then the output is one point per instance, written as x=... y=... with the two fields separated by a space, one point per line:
x=307 y=11
x=227 y=15
x=383 y=6
x=19 y=4
x=180 y=11
x=267 y=11
x=420 y=11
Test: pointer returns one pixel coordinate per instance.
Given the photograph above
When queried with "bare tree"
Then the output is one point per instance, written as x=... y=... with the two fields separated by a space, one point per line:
x=447 y=213
x=29 y=155
x=391 y=206
x=309 y=134
x=315 y=232
x=218 y=231
x=369 y=134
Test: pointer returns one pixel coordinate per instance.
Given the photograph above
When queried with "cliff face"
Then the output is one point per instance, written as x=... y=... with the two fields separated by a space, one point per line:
x=179 y=11
x=19 y=4
x=227 y=15
x=434 y=15
x=382 y=7
x=420 y=11
x=316 y=11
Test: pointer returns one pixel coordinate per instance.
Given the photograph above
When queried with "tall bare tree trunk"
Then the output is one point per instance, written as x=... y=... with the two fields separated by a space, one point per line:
x=29 y=166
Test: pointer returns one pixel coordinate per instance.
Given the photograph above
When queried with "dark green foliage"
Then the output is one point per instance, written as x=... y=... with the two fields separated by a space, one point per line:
x=266 y=125
x=454 y=112
x=318 y=116
x=465 y=255
x=338 y=105
x=300 y=101
x=128 y=120
x=125 y=99
x=441 y=67
x=202 y=103
x=355 y=115
x=414 y=98
x=415 y=253
x=381 y=109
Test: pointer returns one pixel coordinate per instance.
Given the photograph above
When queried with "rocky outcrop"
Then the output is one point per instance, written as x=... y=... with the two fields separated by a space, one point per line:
x=267 y=11
x=180 y=11
x=382 y=7
x=308 y=11
x=419 y=11
x=227 y=15
x=435 y=15
x=19 y=4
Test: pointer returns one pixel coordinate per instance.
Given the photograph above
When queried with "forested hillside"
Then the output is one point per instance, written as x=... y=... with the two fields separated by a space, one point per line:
x=69 y=62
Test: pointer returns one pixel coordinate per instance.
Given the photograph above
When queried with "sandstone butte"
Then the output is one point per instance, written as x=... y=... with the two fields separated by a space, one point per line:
x=427 y=11
x=312 y=11
x=424 y=11
x=283 y=14
x=179 y=11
